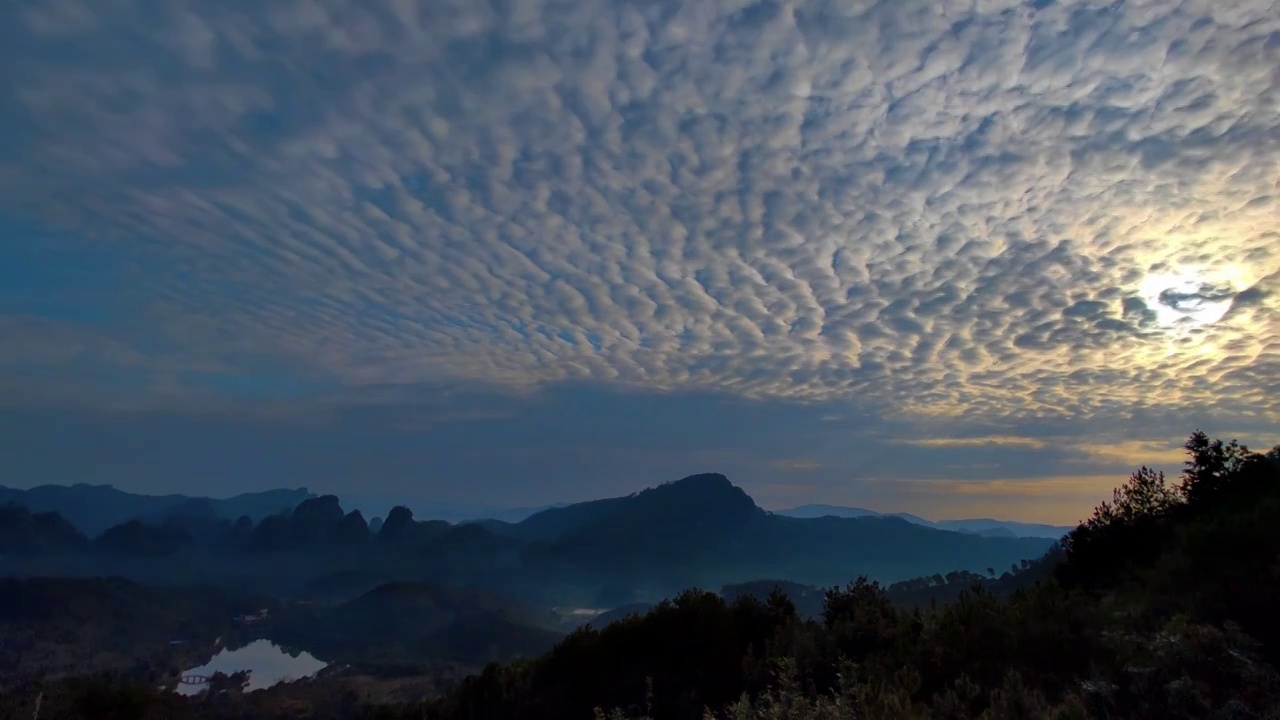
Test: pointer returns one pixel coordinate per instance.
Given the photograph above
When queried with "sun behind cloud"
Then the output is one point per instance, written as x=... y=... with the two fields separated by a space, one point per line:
x=1191 y=296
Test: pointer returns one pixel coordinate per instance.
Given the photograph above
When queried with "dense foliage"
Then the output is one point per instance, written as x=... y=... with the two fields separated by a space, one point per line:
x=55 y=627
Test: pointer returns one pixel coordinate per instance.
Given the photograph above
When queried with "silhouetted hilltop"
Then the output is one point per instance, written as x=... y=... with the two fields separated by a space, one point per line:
x=689 y=497
x=318 y=511
x=695 y=504
x=315 y=522
x=705 y=530
x=706 y=497
x=138 y=538
x=25 y=533
x=667 y=534
x=398 y=526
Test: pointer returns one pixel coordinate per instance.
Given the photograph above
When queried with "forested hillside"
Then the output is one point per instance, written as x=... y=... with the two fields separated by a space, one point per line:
x=1161 y=605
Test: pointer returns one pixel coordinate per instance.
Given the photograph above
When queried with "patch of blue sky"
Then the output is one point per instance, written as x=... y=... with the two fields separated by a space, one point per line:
x=44 y=276
x=256 y=385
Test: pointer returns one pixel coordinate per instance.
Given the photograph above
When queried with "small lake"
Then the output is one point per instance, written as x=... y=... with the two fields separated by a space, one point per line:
x=266 y=662
x=586 y=612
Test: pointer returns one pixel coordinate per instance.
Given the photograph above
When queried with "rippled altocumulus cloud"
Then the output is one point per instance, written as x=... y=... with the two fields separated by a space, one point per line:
x=986 y=208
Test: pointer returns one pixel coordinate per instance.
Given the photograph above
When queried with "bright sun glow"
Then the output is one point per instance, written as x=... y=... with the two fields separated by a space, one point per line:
x=1190 y=297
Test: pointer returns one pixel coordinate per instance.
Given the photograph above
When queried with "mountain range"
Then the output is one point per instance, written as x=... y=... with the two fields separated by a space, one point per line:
x=699 y=531
x=94 y=508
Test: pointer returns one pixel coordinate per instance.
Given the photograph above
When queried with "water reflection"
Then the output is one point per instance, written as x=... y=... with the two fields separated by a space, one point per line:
x=266 y=662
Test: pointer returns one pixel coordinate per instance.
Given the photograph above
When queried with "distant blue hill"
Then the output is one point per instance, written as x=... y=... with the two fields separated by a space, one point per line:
x=986 y=527
x=94 y=508
x=808 y=512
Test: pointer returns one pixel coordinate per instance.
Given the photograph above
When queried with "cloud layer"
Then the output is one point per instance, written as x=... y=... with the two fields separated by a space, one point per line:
x=983 y=209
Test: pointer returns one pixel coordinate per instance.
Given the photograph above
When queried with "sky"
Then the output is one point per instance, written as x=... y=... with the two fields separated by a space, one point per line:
x=962 y=258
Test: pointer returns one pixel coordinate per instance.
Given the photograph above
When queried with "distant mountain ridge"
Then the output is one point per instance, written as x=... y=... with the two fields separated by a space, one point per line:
x=700 y=531
x=92 y=509
x=986 y=527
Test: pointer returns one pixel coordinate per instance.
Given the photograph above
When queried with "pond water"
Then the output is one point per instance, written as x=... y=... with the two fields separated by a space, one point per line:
x=585 y=612
x=266 y=662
